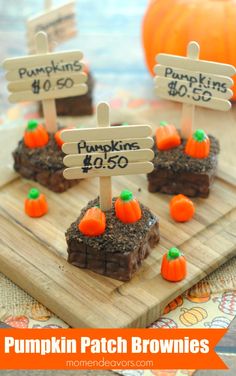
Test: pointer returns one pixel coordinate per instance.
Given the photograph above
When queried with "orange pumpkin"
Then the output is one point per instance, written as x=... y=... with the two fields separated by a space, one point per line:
x=93 y=222
x=167 y=136
x=58 y=138
x=169 y=25
x=86 y=68
x=20 y=322
x=35 y=135
x=177 y=302
x=199 y=293
x=127 y=208
x=181 y=208
x=192 y=316
x=39 y=312
x=173 y=267
x=35 y=204
x=198 y=145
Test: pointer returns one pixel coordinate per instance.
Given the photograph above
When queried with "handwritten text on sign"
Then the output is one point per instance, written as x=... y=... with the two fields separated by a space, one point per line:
x=59 y=23
x=46 y=76
x=114 y=152
x=196 y=82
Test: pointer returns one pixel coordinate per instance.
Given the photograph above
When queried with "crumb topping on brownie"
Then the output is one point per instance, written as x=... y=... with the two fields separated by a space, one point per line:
x=49 y=156
x=176 y=160
x=118 y=237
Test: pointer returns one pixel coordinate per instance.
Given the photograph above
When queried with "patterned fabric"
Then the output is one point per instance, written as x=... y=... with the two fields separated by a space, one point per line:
x=215 y=310
x=157 y=373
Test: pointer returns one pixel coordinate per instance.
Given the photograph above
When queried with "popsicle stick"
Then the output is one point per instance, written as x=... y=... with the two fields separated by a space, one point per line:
x=91 y=134
x=193 y=82
x=49 y=15
x=72 y=147
x=131 y=155
x=65 y=27
x=14 y=75
x=107 y=151
x=188 y=108
x=105 y=188
x=47 y=4
x=26 y=85
x=49 y=106
x=176 y=73
x=191 y=64
x=67 y=30
x=163 y=82
x=60 y=23
x=57 y=93
x=131 y=169
x=214 y=103
x=42 y=59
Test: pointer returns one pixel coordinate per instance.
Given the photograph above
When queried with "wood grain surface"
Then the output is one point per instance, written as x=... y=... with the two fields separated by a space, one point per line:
x=33 y=253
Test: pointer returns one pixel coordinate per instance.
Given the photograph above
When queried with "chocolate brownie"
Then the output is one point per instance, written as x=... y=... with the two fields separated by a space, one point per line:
x=119 y=252
x=80 y=105
x=175 y=172
x=44 y=165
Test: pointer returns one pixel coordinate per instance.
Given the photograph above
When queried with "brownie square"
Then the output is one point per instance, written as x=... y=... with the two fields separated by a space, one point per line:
x=175 y=172
x=120 y=251
x=44 y=165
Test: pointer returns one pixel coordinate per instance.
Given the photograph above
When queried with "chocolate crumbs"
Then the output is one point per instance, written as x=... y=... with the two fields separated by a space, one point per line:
x=177 y=161
x=118 y=237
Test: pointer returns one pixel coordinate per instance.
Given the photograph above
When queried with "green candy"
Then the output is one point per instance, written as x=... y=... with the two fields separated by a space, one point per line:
x=33 y=194
x=173 y=253
x=32 y=124
x=163 y=123
x=199 y=135
x=126 y=195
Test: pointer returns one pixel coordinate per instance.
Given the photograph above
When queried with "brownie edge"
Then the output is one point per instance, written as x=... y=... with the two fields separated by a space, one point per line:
x=175 y=172
x=44 y=165
x=120 y=251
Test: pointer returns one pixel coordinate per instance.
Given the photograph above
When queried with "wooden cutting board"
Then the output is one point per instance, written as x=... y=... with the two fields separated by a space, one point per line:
x=33 y=253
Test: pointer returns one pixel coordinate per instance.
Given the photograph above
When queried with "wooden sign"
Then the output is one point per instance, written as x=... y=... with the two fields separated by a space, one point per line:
x=193 y=82
x=58 y=22
x=46 y=76
x=107 y=151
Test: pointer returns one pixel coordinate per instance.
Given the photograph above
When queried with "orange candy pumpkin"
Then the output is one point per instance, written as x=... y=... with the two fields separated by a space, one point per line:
x=35 y=204
x=167 y=136
x=58 y=138
x=177 y=302
x=127 y=208
x=181 y=208
x=198 y=145
x=35 y=135
x=93 y=222
x=169 y=25
x=174 y=266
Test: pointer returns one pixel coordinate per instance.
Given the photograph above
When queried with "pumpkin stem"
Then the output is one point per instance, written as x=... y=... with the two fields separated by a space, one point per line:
x=33 y=194
x=32 y=124
x=199 y=135
x=163 y=123
x=173 y=253
x=126 y=195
